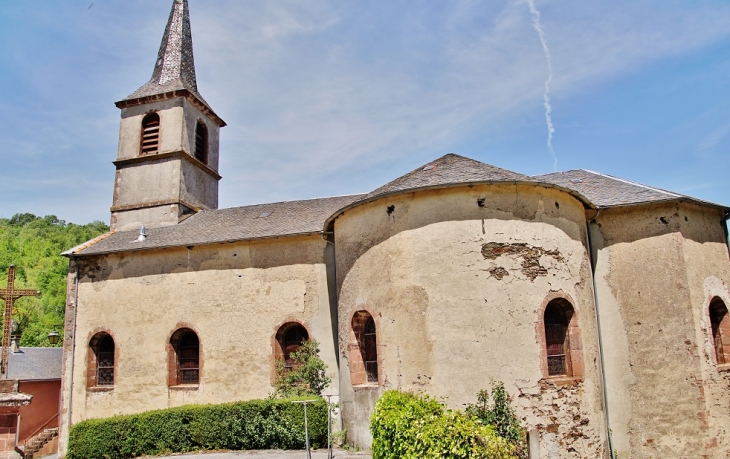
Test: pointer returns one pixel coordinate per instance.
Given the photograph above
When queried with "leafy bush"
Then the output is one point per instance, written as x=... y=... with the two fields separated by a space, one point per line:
x=500 y=415
x=307 y=374
x=256 y=424
x=408 y=426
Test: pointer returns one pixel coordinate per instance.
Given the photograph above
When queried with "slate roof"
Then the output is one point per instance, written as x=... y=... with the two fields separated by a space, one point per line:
x=226 y=225
x=310 y=216
x=175 y=65
x=607 y=191
x=35 y=364
x=448 y=170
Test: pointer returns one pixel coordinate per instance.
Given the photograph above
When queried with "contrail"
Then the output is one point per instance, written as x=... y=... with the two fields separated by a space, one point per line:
x=546 y=97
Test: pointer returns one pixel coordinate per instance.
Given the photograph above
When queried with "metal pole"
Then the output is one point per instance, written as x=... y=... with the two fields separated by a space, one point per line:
x=306 y=433
x=329 y=426
x=306 y=425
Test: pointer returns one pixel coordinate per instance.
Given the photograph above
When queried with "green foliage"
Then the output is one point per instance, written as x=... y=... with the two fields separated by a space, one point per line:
x=409 y=426
x=500 y=415
x=34 y=244
x=255 y=424
x=307 y=375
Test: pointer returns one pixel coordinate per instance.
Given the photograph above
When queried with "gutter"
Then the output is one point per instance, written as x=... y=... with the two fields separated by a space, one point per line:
x=727 y=230
x=600 y=335
x=325 y=236
x=587 y=204
x=73 y=346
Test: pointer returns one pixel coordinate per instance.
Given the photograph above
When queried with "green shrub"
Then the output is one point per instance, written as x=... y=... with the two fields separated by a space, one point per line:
x=500 y=415
x=256 y=424
x=407 y=426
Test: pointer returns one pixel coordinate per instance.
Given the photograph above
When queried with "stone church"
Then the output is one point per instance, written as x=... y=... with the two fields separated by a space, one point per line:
x=601 y=303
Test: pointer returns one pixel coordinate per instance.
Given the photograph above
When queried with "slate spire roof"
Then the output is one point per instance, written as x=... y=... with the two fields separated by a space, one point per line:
x=175 y=66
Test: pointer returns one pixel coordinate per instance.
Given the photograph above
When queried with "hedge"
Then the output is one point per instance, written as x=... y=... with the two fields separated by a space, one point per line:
x=255 y=424
x=408 y=426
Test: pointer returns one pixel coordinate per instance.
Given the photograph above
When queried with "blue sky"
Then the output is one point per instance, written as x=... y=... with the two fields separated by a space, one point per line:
x=326 y=97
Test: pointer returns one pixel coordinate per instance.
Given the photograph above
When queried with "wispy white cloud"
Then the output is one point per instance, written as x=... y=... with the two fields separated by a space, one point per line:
x=546 y=95
x=321 y=95
x=715 y=137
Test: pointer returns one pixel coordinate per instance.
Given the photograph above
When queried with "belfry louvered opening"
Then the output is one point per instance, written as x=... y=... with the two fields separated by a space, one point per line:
x=150 y=134
x=201 y=143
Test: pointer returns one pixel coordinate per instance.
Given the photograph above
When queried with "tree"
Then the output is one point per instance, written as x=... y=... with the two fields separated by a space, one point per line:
x=307 y=375
x=34 y=245
x=500 y=415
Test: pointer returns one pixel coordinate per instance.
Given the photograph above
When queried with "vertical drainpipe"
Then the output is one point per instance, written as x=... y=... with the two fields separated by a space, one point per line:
x=727 y=231
x=325 y=236
x=73 y=348
x=600 y=335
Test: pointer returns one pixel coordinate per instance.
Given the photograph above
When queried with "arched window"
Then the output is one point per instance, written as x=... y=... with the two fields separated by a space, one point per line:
x=150 y=134
x=720 y=322
x=562 y=340
x=186 y=357
x=364 y=359
x=289 y=339
x=201 y=143
x=101 y=361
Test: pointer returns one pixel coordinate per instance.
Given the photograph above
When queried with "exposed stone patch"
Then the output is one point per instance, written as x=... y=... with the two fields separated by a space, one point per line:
x=498 y=272
x=557 y=415
x=530 y=255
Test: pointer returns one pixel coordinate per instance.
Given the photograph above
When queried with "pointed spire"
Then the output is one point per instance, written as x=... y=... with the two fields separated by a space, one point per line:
x=175 y=66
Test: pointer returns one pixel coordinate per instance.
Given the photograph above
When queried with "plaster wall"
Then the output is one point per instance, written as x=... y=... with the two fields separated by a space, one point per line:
x=172 y=127
x=235 y=296
x=148 y=182
x=164 y=215
x=449 y=318
x=657 y=267
x=198 y=187
x=42 y=408
x=178 y=120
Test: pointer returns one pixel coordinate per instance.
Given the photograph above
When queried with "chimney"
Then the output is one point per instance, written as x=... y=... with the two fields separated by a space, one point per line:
x=15 y=344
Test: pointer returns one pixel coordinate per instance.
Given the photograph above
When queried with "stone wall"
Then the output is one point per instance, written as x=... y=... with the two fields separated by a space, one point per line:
x=234 y=296
x=658 y=267
x=457 y=281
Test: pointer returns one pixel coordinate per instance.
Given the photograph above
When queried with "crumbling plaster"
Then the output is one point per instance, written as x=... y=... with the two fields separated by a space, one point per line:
x=446 y=324
x=657 y=268
x=235 y=296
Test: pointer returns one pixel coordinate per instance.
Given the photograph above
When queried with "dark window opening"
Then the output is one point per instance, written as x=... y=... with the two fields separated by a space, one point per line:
x=364 y=362
x=187 y=357
x=100 y=370
x=290 y=339
x=150 y=134
x=105 y=362
x=201 y=143
x=557 y=341
x=720 y=323
x=370 y=351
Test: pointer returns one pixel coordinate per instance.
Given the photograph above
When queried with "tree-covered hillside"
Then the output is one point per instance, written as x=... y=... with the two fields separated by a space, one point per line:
x=34 y=244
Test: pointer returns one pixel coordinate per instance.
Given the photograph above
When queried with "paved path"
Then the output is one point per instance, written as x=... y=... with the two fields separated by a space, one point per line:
x=273 y=454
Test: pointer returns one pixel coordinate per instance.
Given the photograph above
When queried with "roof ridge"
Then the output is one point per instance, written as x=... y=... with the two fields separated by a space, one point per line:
x=283 y=202
x=631 y=182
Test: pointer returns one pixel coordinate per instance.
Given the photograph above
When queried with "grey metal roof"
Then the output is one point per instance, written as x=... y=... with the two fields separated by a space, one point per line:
x=226 y=225
x=448 y=170
x=35 y=364
x=175 y=65
x=607 y=191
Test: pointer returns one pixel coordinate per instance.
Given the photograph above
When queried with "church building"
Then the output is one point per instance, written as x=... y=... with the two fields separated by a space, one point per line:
x=602 y=304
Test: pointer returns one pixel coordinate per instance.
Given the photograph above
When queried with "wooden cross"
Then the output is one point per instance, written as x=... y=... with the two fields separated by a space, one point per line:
x=10 y=294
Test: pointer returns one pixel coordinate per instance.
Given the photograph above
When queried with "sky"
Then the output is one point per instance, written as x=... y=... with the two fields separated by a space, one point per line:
x=326 y=97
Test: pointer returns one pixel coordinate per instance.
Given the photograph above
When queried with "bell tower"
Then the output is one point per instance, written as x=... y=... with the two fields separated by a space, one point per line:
x=167 y=161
